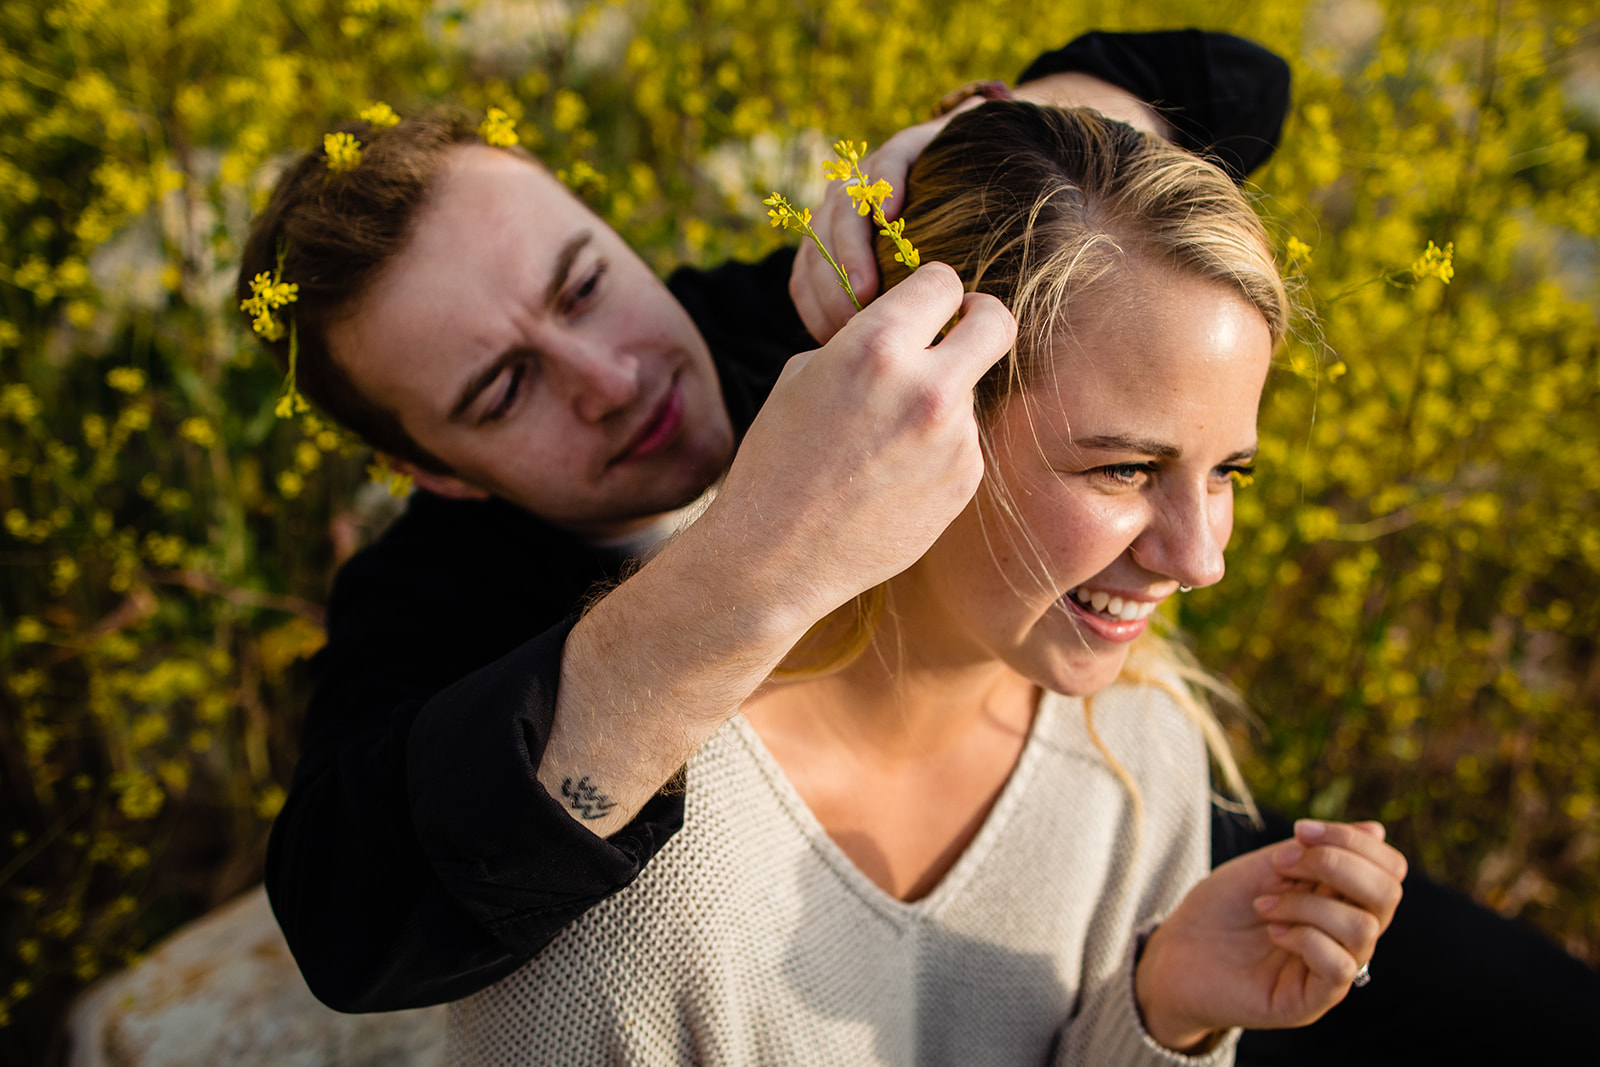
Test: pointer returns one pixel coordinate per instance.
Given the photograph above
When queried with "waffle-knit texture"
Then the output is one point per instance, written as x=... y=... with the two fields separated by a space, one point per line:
x=752 y=939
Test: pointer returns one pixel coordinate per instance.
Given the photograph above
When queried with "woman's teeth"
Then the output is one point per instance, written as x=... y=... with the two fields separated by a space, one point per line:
x=1113 y=606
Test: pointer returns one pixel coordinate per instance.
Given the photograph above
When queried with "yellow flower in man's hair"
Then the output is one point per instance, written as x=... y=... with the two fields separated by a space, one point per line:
x=343 y=152
x=380 y=115
x=498 y=129
x=267 y=293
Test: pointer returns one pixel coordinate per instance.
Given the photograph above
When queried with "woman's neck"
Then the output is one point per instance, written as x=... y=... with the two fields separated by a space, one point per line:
x=895 y=703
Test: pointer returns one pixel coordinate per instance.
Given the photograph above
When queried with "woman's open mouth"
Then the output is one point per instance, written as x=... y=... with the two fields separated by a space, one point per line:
x=1111 y=617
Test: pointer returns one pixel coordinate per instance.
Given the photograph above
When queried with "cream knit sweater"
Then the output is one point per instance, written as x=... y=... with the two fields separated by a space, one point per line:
x=752 y=939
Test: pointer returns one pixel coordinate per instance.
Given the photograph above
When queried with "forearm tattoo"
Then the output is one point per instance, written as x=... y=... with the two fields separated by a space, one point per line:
x=586 y=799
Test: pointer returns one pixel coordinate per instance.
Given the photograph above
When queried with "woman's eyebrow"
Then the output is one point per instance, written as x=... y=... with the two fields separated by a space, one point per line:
x=1116 y=442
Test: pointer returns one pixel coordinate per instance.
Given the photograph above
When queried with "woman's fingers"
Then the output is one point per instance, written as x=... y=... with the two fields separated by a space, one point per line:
x=1322 y=955
x=1365 y=838
x=1355 y=928
x=1367 y=875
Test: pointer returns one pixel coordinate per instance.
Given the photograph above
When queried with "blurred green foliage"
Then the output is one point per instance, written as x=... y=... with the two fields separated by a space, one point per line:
x=1415 y=577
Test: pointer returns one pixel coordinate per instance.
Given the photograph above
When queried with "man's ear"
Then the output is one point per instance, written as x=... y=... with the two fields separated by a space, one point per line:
x=447 y=485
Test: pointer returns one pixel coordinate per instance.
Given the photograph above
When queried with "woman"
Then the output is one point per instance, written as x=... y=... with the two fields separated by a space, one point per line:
x=974 y=829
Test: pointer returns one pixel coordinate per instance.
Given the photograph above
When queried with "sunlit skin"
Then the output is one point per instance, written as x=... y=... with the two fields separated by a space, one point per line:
x=1118 y=463
x=526 y=346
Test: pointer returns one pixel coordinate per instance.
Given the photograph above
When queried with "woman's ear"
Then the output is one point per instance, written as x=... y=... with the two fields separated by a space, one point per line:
x=446 y=485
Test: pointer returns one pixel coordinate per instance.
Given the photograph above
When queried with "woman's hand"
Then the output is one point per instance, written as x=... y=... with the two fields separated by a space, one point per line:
x=1273 y=938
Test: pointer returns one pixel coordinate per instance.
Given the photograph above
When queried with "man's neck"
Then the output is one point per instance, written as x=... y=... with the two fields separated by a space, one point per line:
x=643 y=536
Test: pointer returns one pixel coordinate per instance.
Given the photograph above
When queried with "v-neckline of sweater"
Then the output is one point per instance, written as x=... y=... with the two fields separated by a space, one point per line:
x=971 y=860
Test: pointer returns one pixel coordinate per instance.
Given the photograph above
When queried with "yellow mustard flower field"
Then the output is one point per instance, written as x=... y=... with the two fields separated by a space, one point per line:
x=1413 y=604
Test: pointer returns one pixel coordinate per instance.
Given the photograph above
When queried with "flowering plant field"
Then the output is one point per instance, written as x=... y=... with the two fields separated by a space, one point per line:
x=1413 y=603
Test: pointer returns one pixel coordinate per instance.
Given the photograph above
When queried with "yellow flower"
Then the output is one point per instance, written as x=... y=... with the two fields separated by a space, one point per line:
x=268 y=292
x=1436 y=262
x=381 y=473
x=379 y=115
x=198 y=430
x=851 y=151
x=343 y=152
x=498 y=129
x=1299 y=251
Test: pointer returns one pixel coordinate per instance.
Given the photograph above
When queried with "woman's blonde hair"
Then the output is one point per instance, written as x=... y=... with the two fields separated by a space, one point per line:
x=1052 y=210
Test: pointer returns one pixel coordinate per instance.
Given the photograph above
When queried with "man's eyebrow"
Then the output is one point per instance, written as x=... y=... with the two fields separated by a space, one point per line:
x=564 y=261
x=1116 y=442
x=552 y=292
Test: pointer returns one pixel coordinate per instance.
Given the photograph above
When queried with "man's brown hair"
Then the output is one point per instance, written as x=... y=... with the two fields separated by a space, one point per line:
x=335 y=234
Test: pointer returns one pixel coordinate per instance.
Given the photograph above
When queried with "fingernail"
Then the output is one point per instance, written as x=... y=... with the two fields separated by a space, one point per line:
x=1265 y=904
x=1310 y=829
x=1277 y=929
x=1288 y=856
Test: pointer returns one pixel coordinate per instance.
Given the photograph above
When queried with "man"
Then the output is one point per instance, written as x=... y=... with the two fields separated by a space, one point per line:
x=475 y=775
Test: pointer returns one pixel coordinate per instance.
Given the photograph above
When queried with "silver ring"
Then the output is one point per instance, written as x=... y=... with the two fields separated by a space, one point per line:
x=1363 y=976
x=1185 y=588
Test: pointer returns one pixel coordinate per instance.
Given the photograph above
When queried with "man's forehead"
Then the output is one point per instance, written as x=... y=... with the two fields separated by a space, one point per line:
x=493 y=187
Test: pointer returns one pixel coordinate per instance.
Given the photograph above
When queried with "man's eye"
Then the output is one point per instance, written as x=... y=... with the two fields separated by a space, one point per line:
x=587 y=288
x=509 y=398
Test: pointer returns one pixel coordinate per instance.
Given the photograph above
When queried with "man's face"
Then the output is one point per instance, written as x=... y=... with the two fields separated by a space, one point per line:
x=521 y=342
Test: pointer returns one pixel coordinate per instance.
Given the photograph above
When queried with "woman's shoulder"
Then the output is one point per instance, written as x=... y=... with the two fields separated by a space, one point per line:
x=1143 y=725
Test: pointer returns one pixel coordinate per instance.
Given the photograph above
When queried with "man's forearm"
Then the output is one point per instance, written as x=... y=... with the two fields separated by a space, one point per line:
x=654 y=670
x=865 y=452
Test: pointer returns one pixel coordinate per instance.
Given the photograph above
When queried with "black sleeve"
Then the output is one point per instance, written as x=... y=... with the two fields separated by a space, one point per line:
x=417 y=859
x=1225 y=97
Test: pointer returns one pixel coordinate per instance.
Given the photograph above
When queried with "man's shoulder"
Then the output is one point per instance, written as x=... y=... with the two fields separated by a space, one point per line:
x=445 y=560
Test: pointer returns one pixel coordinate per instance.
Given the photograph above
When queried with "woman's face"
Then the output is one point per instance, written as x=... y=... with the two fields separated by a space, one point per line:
x=1118 y=463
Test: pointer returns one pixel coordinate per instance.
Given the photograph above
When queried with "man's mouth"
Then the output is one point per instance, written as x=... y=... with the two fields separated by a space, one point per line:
x=657 y=431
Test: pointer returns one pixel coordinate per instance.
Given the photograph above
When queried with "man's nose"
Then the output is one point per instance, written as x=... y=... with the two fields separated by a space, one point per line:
x=597 y=380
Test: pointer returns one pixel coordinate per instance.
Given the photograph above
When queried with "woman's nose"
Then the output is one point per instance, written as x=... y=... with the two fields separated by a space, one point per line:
x=1185 y=538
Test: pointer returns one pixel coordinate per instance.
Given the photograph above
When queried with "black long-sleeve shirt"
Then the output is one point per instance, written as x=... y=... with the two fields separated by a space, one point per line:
x=417 y=859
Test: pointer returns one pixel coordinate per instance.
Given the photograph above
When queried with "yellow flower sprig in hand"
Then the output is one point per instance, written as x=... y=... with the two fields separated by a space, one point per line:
x=785 y=216
x=869 y=197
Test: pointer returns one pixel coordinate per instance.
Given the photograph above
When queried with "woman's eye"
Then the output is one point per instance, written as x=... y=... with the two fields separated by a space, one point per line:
x=1124 y=473
x=509 y=398
x=1238 y=473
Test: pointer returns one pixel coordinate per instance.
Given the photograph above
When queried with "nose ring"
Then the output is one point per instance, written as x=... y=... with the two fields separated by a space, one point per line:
x=1185 y=588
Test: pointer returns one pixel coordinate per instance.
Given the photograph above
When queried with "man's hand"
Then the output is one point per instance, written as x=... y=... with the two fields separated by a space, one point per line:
x=823 y=305
x=813 y=286
x=865 y=452
x=867 y=448
x=1273 y=938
